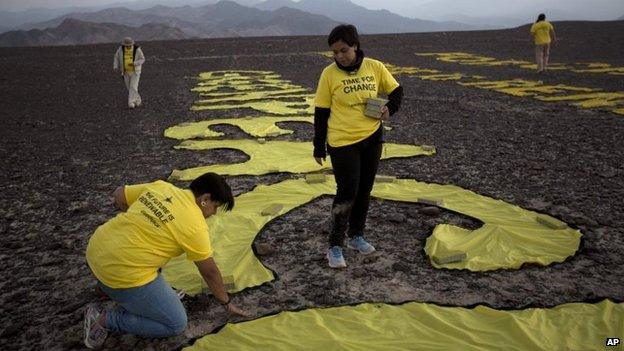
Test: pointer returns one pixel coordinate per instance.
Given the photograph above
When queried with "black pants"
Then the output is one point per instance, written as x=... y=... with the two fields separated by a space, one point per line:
x=354 y=168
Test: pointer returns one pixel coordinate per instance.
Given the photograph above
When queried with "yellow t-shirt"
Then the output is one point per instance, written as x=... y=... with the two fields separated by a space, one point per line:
x=162 y=222
x=128 y=60
x=541 y=32
x=345 y=94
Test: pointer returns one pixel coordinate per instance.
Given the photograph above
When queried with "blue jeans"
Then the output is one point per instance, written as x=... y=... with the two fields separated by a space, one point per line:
x=152 y=310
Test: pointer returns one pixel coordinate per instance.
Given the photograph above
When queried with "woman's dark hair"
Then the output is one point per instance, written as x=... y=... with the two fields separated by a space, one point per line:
x=216 y=186
x=345 y=32
x=541 y=17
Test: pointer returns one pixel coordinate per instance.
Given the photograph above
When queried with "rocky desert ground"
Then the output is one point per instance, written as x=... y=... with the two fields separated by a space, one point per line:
x=67 y=140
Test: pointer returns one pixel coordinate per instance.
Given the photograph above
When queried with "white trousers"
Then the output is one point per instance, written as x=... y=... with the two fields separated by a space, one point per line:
x=542 y=53
x=132 y=83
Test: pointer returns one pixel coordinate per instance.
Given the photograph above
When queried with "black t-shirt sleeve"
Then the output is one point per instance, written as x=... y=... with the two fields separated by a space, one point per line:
x=321 y=116
x=394 y=100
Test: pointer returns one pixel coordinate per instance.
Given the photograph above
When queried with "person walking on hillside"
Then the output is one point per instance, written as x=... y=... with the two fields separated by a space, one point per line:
x=128 y=59
x=542 y=31
x=158 y=222
x=353 y=140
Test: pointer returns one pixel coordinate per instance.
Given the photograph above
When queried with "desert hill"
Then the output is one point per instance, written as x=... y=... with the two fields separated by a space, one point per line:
x=223 y=19
x=367 y=21
x=68 y=140
x=231 y=19
x=75 y=32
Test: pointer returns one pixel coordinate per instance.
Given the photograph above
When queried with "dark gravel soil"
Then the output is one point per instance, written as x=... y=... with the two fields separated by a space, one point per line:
x=67 y=140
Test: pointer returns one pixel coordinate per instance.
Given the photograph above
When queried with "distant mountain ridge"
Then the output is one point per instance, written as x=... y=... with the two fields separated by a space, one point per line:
x=224 y=19
x=513 y=13
x=207 y=21
x=12 y=20
x=75 y=32
x=367 y=21
x=118 y=15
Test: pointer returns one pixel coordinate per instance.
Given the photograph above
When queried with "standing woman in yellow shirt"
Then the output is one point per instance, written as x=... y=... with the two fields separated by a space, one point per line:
x=353 y=140
x=541 y=32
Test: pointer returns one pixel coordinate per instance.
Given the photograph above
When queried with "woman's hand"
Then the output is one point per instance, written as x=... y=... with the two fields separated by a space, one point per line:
x=119 y=198
x=319 y=160
x=232 y=309
x=385 y=113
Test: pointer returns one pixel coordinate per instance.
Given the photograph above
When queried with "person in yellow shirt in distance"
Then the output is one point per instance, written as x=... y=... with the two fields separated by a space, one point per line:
x=543 y=34
x=159 y=221
x=352 y=139
x=129 y=59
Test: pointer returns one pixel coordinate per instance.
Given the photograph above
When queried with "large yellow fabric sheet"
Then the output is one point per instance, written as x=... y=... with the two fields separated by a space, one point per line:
x=269 y=106
x=464 y=58
x=232 y=234
x=509 y=238
x=423 y=326
x=522 y=88
x=255 y=126
x=274 y=156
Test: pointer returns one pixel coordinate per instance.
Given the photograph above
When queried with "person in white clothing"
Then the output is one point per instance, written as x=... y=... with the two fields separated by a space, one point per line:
x=128 y=59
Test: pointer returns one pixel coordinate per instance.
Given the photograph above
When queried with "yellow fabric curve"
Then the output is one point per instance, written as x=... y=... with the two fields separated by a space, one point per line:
x=551 y=66
x=251 y=95
x=241 y=81
x=471 y=59
x=398 y=70
x=617 y=71
x=269 y=106
x=255 y=126
x=510 y=236
x=519 y=87
x=255 y=96
x=242 y=86
x=232 y=234
x=275 y=156
x=587 y=98
x=263 y=91
x=593 y=100
x=464 y=58
x=442 y=76
x=425 y=326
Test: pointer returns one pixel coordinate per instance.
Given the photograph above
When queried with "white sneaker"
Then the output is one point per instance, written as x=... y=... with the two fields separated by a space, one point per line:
x=94 y=334
x=358 y=243
x=335 y=258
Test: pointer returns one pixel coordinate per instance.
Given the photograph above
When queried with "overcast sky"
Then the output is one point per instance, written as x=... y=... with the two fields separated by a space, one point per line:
x=426 y=9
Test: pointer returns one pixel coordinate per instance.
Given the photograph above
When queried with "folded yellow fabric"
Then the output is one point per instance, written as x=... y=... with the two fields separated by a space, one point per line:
x=255 y=126
x=275 y=156
x=509 y=238
x=423 y=326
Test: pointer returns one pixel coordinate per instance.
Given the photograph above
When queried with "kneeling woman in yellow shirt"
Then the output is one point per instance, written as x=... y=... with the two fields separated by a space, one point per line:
x=353 y=140
x=158 y=222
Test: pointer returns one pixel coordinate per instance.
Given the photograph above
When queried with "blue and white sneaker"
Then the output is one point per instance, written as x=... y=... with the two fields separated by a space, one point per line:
x=358 y=243
x=94 y=334
x=335 y=258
